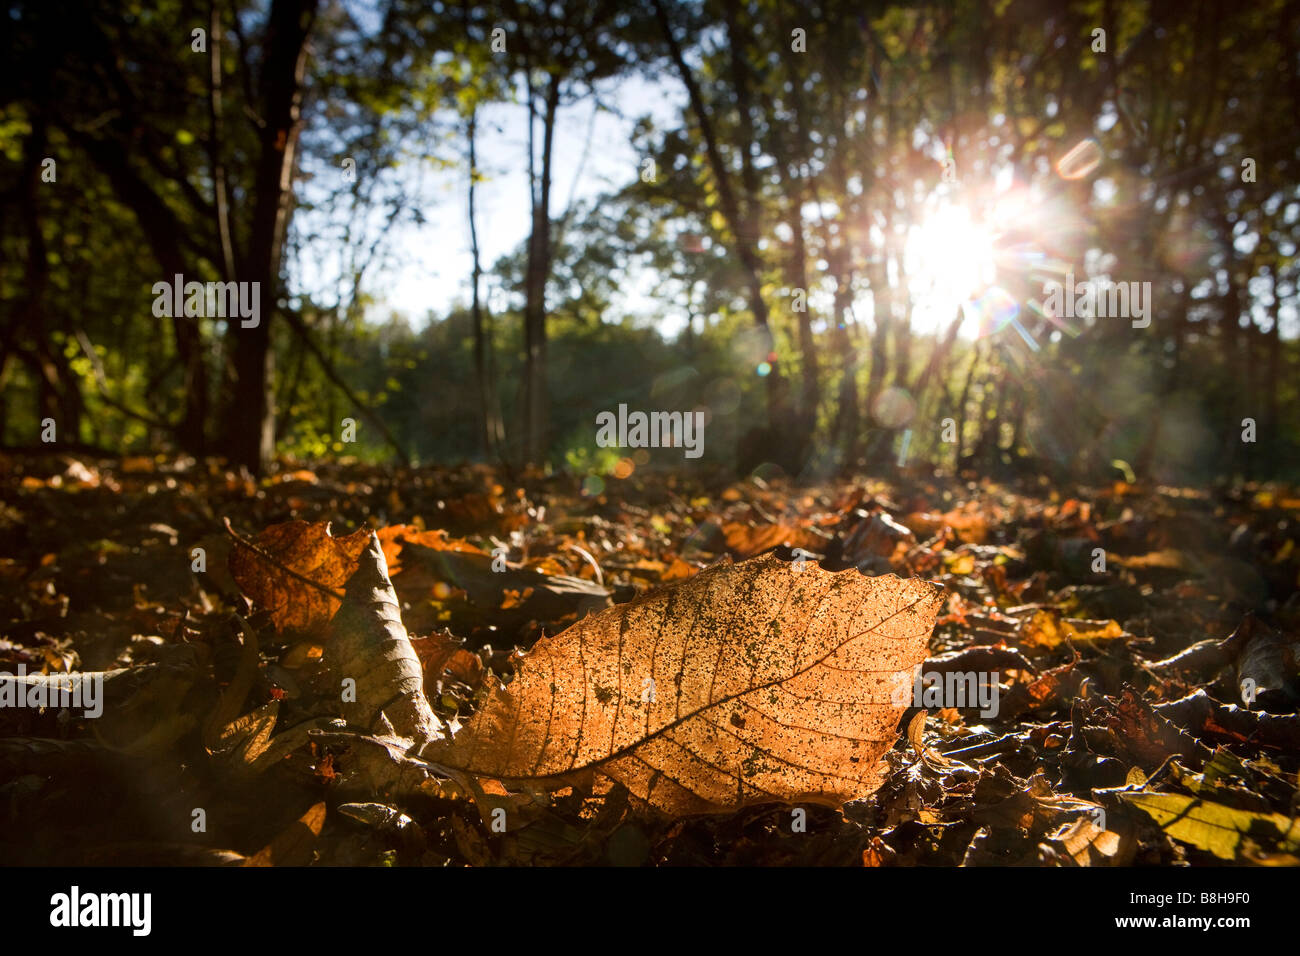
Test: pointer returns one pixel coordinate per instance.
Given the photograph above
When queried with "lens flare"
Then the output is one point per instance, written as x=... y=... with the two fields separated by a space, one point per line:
x=894 y=408
x=1082 y=159
x=992 y=311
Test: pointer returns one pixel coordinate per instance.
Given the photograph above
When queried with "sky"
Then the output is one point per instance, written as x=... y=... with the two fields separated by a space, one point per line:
x=430 y=264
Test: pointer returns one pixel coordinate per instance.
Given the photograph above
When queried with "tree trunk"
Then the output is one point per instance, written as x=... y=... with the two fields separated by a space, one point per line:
x=490 y=431
x=882 y=320
x=220 y=200
x=960 y=411
x=811 y=394
x=1273 y=382
x=847 y=430
x=536 y=417
x=778 y=408
x=250 y=418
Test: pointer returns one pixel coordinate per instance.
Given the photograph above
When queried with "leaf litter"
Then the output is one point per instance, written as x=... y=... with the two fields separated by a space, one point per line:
x=665 y=673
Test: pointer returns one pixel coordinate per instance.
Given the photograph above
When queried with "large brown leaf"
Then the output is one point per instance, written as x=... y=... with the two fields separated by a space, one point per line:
x=770 y=685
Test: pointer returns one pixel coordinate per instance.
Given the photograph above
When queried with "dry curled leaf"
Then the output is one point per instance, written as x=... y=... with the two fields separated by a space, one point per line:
x=369 y=645
x=748 y=683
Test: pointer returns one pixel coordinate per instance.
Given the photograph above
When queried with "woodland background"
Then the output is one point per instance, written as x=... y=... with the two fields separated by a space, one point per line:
x=782 y=170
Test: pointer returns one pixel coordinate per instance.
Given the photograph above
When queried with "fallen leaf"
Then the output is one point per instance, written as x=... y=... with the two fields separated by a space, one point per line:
x=916 y=731
x=480 y=595
x=295 y=570
x=878 y=853
x=301 y=653
x=1213 y=827
x=1267 y=664
x=1048 y=630
x=1166 y=558
x=745 y=540
x=247 y=738
x=294 y=846
x=441 y=653
x=646 y=692
x=395 y=537
x=1086 y=843
x=876 y=535
x=376 y=815
x=369 y=645
x=679 y=570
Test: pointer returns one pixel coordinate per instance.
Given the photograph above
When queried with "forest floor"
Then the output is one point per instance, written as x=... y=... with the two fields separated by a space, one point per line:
x=1143 y=641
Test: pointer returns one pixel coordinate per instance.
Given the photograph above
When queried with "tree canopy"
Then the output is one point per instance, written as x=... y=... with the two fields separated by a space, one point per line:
x=855 y=214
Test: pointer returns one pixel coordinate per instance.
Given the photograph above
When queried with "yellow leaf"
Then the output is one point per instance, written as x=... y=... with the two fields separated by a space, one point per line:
x=1213 y=827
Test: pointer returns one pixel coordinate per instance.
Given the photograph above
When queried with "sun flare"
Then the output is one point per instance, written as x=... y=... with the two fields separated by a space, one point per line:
x=948 y=260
